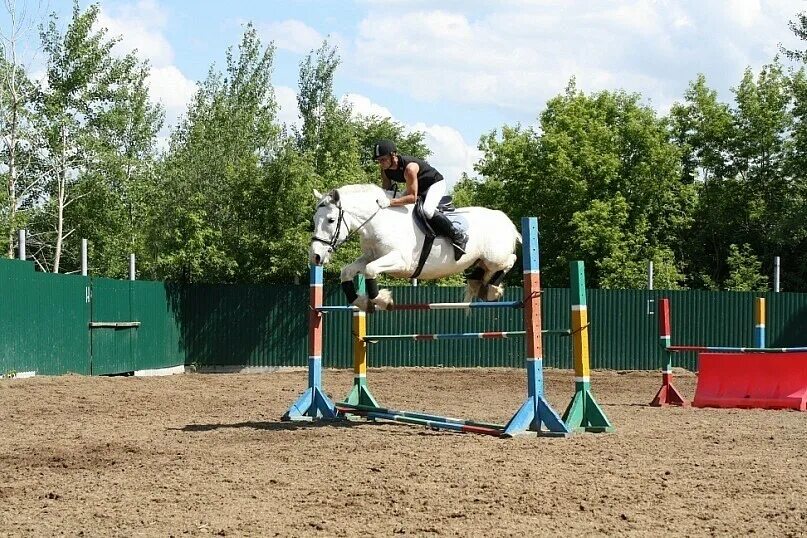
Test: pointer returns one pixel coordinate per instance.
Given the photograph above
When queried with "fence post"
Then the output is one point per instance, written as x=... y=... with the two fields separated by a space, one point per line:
x=83 y=257
x=776 y=269
x=22 y=245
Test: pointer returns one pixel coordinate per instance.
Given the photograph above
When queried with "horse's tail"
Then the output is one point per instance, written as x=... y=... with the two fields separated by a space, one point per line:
x=518 y=239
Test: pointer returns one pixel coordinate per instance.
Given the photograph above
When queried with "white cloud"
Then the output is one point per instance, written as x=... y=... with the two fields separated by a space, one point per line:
x=363 y=106
x=292 y=35
x=142 y=28
x=451 y=155
x=519 y=54
x=744 y=12
x=171 y=88
x=286 y=99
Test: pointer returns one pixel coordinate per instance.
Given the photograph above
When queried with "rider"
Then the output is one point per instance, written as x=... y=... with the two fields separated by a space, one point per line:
x=422 y=181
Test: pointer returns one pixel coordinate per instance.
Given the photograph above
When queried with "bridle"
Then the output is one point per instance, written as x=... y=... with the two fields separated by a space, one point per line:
x=334 y=242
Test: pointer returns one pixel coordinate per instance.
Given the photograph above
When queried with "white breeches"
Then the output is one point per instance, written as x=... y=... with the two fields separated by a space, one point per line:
x=433 y=197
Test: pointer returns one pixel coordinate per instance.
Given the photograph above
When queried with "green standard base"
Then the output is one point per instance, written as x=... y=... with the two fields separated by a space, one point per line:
x=584 y=413
x=360 y=394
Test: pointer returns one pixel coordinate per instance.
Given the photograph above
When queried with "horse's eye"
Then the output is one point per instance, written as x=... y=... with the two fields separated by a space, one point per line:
x=331 y=221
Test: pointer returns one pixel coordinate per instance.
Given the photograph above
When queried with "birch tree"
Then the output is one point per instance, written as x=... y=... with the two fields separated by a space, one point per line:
x=84 y=79
x=17 y=93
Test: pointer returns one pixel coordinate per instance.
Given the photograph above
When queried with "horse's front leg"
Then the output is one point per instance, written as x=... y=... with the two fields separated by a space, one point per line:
x=388 y=263
x=346 y=278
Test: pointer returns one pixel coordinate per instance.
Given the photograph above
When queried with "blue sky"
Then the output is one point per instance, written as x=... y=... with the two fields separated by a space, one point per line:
x=457 y=69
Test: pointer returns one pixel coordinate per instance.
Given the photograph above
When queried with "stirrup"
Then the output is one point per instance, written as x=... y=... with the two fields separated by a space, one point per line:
x=459 y=247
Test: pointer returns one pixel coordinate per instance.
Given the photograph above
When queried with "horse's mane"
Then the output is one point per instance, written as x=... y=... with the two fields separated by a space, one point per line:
x=362 y=188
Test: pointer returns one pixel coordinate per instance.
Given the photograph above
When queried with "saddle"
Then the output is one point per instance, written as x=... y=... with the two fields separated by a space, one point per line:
x=446 y=205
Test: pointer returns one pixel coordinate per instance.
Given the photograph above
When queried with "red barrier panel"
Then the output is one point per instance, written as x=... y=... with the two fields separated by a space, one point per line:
x=752 y=380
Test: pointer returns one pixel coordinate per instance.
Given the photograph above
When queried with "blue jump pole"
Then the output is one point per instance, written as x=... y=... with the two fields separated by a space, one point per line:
x=535 y=415
x=313 y=403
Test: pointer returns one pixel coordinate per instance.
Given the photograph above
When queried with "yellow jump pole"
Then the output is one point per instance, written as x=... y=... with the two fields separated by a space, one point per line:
x=583 y=412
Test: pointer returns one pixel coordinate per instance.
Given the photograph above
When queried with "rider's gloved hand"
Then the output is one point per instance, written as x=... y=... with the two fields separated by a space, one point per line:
x=383 y=202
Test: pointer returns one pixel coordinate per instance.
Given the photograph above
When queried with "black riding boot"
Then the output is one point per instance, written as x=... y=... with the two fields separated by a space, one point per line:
x=444 y=227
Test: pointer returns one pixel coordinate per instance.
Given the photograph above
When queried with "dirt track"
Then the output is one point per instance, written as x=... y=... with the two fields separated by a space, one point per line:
x=207 y=455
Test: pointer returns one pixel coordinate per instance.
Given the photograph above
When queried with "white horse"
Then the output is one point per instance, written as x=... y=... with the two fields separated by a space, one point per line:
x=391 y=243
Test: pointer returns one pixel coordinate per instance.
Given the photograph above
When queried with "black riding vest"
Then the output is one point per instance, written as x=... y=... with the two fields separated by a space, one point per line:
x=427 y=176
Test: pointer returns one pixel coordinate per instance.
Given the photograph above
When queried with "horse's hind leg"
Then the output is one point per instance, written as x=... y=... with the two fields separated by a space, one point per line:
x=491 y=288
x=473 y=283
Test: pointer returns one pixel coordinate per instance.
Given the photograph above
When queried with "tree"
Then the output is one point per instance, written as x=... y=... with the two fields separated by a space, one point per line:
x=115 y=194
x=17 y=119
x=745 y=166
x=204 y=230
x=328 y=135
x=84 y=110
x=744 y=270
x=799 y=28
x=603 y=177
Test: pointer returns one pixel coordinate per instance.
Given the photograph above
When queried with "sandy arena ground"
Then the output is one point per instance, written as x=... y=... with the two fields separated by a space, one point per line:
x=207 y=455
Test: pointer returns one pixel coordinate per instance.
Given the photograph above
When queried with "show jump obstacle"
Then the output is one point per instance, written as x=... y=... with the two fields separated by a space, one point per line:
x=535 y=416
x=744 y=377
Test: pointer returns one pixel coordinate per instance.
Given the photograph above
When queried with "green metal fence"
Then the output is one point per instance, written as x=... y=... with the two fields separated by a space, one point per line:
x=43 y=321
x=49 y=324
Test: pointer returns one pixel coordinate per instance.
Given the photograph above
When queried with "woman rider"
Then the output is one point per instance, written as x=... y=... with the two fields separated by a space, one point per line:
x=422 y=181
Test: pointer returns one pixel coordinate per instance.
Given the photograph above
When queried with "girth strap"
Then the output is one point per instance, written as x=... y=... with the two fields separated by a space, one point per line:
x=428 y=241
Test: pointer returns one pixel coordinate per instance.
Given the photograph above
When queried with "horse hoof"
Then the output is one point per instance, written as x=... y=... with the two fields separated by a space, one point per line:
x=361 y=303
x=383 y=301
x=494 y=293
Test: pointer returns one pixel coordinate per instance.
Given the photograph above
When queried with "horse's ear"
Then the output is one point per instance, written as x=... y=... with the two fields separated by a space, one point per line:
x=317 y=195
x=334 y=194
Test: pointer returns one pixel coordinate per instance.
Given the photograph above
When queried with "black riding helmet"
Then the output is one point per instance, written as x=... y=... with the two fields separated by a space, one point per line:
x=383 y=148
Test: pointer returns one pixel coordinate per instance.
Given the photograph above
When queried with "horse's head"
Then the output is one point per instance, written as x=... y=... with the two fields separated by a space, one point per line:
x=330 y=228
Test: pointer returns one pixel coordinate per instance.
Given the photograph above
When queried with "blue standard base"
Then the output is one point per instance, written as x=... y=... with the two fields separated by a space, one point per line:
x=529 y=418
x=313 y=404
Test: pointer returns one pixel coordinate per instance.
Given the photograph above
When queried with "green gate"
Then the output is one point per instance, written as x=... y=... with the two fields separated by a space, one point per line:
x=112 y=329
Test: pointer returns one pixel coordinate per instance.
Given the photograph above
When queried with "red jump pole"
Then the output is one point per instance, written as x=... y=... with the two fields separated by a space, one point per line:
x=667 y=394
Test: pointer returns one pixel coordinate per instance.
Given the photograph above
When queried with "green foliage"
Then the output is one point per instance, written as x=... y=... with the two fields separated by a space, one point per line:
x=328 y=136
x=750 y=172
x=799 y=28
x=612 y=182
x=97 y=142
x=204 y=226
x=373 y=128
x=21 y=163
x=744 y=270
x=601 y=175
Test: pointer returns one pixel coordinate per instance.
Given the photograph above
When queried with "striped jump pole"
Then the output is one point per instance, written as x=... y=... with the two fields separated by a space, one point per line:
x=497 y=335
x=313 y=403
x=434 y=421
x=667 y=394
x=759 y=322
x=583 y=412
x=726 y=349
x=535 y=414
x=360 y=392
x=491 y=335
x=431 y=306
x=457 y=306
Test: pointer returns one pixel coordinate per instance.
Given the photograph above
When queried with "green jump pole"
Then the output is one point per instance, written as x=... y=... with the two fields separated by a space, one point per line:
x=583 y=412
